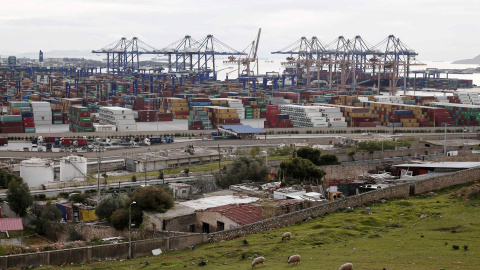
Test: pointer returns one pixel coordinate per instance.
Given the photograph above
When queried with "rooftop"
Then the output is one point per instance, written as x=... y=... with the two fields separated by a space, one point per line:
x=242 y=129
x=210 y=202
x=240 y=213
x=443 y=165
x=11 y=224
x=172 y=154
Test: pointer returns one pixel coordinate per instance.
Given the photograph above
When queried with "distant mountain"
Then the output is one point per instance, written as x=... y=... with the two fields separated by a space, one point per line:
x=473 y=61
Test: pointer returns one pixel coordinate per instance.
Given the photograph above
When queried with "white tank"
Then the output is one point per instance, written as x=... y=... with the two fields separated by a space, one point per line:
x=37 y=171
x=73 y=168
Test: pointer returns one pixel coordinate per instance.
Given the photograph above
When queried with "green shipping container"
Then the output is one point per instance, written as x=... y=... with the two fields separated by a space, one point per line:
x=88 y=129
x=11 y=118
x=29 y=130
x=85 y=119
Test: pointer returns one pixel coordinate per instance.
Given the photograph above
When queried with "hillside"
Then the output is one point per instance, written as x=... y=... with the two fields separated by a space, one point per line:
x=473 y=61
x=387 y=234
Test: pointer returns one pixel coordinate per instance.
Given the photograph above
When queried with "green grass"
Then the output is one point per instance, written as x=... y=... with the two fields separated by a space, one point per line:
x=390 y=235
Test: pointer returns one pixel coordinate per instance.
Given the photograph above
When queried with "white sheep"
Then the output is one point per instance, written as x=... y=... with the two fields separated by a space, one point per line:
x=294 y=259
x=347 y=266
x=259 y=260
x=286 y=235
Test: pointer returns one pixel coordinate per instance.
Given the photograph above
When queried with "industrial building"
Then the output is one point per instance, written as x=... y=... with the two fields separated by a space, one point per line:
x=154 y=161
x=415 y=169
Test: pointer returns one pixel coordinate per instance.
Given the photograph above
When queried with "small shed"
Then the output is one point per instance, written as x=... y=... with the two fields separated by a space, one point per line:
x=241 y=131
x=11 y=224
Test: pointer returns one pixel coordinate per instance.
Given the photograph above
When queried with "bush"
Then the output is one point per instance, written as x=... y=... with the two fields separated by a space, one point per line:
x=134 y=178
x=63 y=195
x=73 y=235
x=153 y=198
x=108 y=206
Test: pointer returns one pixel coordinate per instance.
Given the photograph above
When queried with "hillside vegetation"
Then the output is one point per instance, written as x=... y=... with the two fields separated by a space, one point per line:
x=405 y=233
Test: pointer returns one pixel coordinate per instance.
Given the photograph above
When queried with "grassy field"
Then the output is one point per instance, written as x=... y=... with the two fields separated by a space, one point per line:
x=379 y=235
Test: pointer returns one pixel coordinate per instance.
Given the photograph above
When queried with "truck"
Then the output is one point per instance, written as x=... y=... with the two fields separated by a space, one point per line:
x=3 y=141
x=155 y=140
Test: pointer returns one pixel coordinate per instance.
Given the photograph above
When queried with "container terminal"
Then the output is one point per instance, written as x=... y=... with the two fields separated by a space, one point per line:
x=323 y=85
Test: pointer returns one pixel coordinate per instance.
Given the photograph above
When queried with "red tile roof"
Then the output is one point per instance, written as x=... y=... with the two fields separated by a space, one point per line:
x=11 y=224
x=240 y=213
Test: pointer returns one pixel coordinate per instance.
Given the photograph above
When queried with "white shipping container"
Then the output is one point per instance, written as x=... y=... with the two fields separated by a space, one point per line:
x=338 y=124
x=320 y=124
x=122 y=128
x=105 y=127
x=336 y=119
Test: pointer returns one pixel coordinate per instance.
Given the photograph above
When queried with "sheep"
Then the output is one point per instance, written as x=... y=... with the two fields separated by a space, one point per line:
x=259 y=260
x=286 y=236
x=294 y=259
x=347 y=266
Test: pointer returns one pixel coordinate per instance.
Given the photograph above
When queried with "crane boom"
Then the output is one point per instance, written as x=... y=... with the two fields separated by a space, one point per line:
x=256 y=45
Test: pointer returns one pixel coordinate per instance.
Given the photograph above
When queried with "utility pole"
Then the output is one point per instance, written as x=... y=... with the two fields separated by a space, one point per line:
x=219 y=158
x=445 y=142
x=98 y=172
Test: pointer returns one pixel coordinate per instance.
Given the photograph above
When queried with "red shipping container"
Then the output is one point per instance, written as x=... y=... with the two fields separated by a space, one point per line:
x=28 y=120
x=28 y=124
x=13 y=129
x=84 y=114
x=12 y=124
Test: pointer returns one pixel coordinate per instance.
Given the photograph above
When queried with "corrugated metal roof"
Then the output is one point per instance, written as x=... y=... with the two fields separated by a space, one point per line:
x=11 y=224
x=240 y=213
x=242 y=129
x=445 y=165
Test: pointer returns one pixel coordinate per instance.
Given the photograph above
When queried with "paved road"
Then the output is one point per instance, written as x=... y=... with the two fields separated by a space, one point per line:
x=56 y=191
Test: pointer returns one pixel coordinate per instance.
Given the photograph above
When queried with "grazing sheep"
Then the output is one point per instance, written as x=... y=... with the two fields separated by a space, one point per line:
x=286 y=236
x=294 y=259
x=347 y=266
x=259 y=260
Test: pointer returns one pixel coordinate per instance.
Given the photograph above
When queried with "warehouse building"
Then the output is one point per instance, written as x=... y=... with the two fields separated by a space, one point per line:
x=154 y=161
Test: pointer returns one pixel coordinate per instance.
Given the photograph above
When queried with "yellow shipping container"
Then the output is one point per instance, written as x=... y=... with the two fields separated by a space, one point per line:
x=87 y=214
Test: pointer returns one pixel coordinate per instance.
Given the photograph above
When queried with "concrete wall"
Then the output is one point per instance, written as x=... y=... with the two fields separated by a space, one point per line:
x=100 y=253
x=212 y=218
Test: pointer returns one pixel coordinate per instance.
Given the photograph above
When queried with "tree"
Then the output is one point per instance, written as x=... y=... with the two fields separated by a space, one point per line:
x=299 y=170
x=42 y=218
x=105 y=176
x=18 y=197
x=134 y=178
x=255 y=151
x=153 y=198
x=79 y=198
x=160 y=174
x=243 y=169
x=329 y=159
x=108 y=206
x=119 y=218
x=310 y=153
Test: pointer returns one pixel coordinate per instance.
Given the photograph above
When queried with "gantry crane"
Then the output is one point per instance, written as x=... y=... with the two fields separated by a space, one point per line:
x=250 y=58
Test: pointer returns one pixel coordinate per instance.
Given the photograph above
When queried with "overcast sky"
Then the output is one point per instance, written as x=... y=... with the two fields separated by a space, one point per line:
x=436 y=29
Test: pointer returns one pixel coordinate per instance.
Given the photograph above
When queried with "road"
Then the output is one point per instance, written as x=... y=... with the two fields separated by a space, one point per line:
x=55 y=192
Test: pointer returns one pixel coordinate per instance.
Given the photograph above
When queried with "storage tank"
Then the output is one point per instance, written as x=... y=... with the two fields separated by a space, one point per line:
x=73 y=168
x=37 y=171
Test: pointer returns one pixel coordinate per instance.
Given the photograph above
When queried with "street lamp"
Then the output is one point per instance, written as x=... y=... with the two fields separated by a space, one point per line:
x=130 y=229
